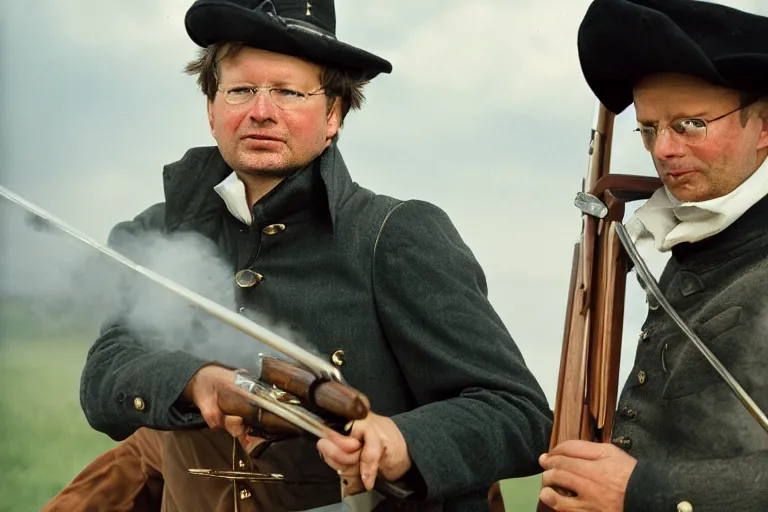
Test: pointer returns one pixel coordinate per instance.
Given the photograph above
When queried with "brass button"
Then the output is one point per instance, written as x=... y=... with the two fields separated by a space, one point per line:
x=245 y=494
x=641 y=377
x=338 y=358
x=273 y=229
x=241 y=462
x=684 y=506
x=622 y=442
x=241 y=309
x=248 y=278
x=138 y=404
x=644 y=335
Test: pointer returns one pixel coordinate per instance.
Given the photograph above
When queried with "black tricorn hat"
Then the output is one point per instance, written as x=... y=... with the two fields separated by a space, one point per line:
x=621 y=41
x=302 y=28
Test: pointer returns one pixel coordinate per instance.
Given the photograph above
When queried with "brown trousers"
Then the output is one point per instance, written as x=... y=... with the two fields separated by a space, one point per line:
x=147 y=472
x=126 y=478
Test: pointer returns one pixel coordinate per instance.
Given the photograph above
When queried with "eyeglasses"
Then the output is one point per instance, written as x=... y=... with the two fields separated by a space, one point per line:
x=285 y=99
x=690 y=130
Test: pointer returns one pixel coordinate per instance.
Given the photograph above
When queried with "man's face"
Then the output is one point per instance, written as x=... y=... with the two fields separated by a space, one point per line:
x=693 y=170
x=258 y=137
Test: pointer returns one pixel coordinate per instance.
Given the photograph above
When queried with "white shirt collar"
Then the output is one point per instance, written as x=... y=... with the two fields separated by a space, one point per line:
x=232 y=191
x=666 y=221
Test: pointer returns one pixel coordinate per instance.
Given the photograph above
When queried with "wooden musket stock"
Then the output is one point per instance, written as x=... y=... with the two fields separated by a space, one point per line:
x=589 y=366
x=335 y=397
x=334 y=402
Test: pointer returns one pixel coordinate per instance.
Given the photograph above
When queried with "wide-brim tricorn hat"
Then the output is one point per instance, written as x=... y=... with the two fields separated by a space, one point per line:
x=622 y=41
x=304 y=29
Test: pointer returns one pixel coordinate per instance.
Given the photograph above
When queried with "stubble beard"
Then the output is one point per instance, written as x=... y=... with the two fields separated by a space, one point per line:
x=279 y=171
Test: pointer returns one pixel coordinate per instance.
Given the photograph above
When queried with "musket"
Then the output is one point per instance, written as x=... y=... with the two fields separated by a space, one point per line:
x=589 y=366
x=330 y=392
x=278 y=409
x=587 y=387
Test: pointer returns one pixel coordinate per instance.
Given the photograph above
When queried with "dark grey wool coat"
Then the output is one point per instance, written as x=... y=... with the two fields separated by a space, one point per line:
x=698 y=448
x=420 y=337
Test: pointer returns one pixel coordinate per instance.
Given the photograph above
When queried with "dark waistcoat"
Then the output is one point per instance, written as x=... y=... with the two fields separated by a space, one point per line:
x=694 y=439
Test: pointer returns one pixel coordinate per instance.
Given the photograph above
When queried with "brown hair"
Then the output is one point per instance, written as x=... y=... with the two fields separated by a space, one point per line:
x=337 y=83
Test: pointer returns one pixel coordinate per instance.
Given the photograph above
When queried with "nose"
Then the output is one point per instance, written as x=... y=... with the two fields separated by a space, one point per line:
x=263 y=108
x=668 y=145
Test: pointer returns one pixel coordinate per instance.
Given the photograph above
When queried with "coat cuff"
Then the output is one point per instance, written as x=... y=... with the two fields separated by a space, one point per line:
x=428 y=474
x=155 y=401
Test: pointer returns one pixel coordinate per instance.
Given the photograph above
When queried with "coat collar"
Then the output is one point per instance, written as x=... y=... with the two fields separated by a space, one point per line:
x=190 y=196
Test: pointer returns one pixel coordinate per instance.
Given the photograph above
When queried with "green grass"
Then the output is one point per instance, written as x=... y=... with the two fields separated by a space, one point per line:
x=521 y=494
x=44 y=437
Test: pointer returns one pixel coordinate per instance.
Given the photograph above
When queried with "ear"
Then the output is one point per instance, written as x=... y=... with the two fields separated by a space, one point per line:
x=210 y=118
x=762 y=118
x=333 y=120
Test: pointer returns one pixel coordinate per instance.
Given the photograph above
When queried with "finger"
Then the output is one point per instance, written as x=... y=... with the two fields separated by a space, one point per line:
x=565 y=481
x=580 y=449
x=581 y=467
x=349 y=443
x=557 y=501
x=235 y=426
x=371 y=454
x=213 y=416
x=335 y=456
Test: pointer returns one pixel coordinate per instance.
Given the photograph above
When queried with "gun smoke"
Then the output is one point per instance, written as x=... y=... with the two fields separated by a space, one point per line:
x=77 y=278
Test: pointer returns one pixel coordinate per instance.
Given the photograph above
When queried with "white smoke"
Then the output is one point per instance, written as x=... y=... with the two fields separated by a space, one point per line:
x=73 y=280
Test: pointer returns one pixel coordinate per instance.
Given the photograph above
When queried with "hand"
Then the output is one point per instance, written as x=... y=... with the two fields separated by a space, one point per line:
x=374 y=446
x=598 y=473
x=213 y=385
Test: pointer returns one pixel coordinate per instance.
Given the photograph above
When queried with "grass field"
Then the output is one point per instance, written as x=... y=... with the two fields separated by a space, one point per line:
x=44 y=438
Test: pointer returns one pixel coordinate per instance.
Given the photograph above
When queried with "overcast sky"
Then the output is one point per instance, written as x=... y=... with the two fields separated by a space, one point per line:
x=486 y=114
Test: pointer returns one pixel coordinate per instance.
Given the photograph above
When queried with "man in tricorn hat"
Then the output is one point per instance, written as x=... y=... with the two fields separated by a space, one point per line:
x=384 y=287
x=697 y=74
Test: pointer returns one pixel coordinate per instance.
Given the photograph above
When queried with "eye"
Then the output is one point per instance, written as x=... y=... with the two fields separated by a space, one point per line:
x=689 y=126
x=646 y=130
x=288 y=93
x=237 y=92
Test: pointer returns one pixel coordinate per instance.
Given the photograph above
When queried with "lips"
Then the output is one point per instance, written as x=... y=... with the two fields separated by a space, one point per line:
x=676 y=173
x=259 y=136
